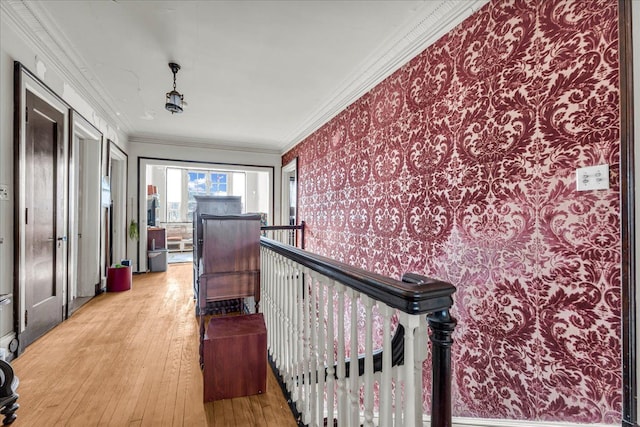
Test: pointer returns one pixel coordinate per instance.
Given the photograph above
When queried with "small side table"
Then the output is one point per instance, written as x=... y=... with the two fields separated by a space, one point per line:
x=235 y=357
x=118 y=279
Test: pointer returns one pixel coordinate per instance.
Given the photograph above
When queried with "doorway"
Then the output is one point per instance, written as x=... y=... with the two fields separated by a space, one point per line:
x=41 y=210
x=170 y=186
x=117 y=170
x=84 y=213
x=290 y=193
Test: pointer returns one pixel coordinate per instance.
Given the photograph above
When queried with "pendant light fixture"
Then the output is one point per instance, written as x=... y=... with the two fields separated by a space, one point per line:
x=175 y=100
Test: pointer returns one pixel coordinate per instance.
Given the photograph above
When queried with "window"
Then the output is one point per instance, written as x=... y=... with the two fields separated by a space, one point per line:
x=174 y=195
x=204 y=183
x=218 y=184
x=183 y=184
x=181 y=203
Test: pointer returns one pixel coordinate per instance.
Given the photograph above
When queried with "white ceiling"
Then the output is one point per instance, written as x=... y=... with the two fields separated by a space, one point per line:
x=257 y=74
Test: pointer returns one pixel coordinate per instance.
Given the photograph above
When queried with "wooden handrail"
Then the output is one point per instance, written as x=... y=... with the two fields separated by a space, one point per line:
x=418 y=295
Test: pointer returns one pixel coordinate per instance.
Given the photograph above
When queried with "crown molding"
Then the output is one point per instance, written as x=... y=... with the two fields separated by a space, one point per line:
x=182 y=142
x=433 y=20
x=33 y=24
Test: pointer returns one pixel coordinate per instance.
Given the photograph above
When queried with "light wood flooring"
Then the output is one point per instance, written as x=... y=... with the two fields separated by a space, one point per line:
x=131 y=359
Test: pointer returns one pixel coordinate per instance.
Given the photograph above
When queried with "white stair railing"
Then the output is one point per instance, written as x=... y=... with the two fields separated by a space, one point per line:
x=349 y=345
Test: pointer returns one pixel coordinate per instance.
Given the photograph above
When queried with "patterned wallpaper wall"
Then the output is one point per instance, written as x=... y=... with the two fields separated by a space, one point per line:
x=461 y=165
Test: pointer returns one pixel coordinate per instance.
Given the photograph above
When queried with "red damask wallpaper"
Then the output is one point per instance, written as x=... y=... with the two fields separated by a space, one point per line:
x=461 y=165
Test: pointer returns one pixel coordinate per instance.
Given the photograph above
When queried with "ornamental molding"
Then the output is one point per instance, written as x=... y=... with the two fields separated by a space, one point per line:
x=432 y=20
x=182 y=142
x=35 y=26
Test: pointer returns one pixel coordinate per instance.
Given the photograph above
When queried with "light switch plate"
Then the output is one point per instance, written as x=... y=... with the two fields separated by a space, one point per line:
x=592 y=178
x=4 y=192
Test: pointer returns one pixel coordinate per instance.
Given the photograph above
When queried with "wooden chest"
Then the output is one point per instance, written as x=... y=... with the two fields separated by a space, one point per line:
x=235 y=357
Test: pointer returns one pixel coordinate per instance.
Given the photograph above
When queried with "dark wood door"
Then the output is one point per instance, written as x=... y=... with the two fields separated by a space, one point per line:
x=45 y=232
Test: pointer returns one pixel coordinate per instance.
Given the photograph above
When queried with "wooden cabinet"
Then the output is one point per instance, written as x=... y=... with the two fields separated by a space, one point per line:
x=213 y=205
x=230 y=263
x=235 y=357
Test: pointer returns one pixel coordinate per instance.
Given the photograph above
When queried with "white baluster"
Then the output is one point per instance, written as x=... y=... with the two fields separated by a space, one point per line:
x=340 y=360
x=331 y=360
x=420 y=339
x=386 y=405
x=307 y=346
x=399 y=398
x=282 y=287
x=313 y=362
x=368 y=361
x=295 y=336
x=301 y=338
x=320 y=361
x=277 y=323
x=410 y=324
x=267 y=259
x=354 y=389
x=287 y=301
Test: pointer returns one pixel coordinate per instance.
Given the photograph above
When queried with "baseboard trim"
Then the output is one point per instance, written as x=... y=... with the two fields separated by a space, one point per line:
x=485 y=422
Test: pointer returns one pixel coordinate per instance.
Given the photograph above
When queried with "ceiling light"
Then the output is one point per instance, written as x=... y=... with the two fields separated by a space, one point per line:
x=175 y=101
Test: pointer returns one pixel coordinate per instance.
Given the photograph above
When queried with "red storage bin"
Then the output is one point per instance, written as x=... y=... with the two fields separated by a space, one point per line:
x=118 y=279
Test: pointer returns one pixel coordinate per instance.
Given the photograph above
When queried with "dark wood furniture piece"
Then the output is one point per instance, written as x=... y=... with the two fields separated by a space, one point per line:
x=157 y=249
x=230 y=264
x=235 y=357
x=156 y=238
x=213 y=205
x=8 y=396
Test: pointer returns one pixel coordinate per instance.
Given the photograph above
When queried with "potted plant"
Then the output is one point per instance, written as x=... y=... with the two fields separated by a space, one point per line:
x=134 y=233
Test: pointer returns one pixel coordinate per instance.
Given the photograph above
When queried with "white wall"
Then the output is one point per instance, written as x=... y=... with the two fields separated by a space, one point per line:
x=16 y=45
x=256 y=188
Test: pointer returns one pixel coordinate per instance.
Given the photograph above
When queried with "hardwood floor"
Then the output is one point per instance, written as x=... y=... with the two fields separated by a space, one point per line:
x=131 y=359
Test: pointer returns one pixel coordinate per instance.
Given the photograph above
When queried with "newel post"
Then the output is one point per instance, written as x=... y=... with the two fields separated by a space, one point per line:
x=442 y=325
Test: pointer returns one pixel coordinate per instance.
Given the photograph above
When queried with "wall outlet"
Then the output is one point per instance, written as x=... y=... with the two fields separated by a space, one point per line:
x=592 y=178
x=4 y=192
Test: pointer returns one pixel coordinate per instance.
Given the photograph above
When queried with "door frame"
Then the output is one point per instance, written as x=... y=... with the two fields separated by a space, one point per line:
x=80 y=126
x=286 y=171
x=139 y=212
x=630 y=240
x=116 y=153
x=25 y=80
